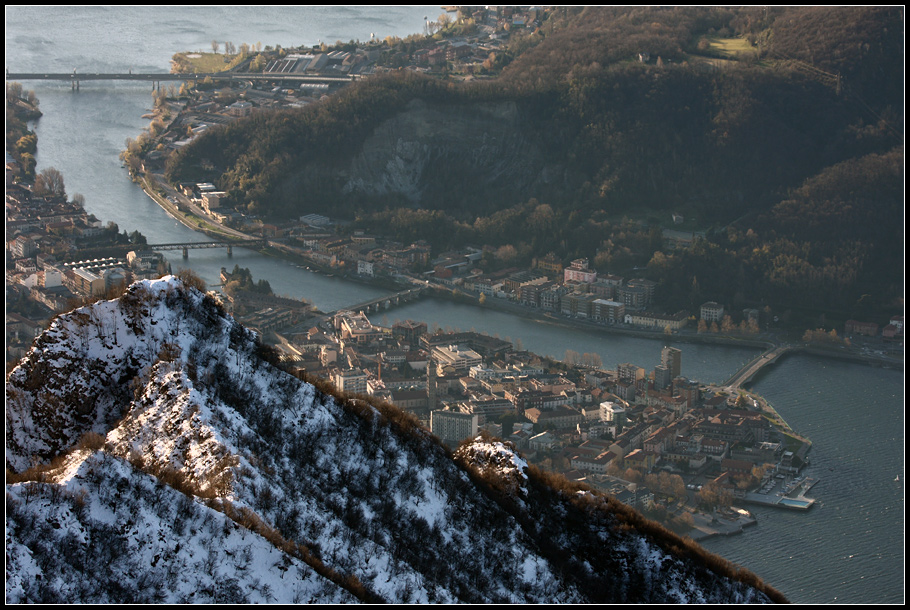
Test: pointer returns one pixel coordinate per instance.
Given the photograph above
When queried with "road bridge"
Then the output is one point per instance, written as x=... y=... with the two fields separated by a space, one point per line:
x=385 y=302
x=186 y=247
x=156 y=77
x=749 y=370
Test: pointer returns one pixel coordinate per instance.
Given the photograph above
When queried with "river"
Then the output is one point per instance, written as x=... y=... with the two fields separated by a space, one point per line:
x=846 y=549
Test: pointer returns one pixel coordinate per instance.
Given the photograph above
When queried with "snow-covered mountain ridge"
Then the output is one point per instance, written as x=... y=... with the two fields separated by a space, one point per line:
x=155 y=453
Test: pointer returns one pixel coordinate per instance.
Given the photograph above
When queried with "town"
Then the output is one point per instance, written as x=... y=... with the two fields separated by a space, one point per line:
x=654 y=439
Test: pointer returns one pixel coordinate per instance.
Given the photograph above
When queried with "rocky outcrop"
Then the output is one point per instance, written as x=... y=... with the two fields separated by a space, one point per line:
x=413 y=153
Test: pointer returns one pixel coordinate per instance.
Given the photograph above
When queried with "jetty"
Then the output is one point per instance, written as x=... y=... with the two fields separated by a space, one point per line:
x=720 y=523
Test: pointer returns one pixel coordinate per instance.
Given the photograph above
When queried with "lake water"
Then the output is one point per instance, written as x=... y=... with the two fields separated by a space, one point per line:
x=849 y=548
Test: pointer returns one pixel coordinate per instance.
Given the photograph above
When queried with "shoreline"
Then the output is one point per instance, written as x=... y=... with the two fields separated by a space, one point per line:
x=723 y=340
x=460 y=296
x=174 y=212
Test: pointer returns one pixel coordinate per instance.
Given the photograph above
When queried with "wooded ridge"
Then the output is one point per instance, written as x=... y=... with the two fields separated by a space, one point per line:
x=769 y=151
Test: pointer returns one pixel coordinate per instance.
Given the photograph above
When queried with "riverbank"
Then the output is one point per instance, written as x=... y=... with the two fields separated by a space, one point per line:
x=196 y=221
x=763 y=342
x=187 y=219
x=881 y=361
x=556 y=319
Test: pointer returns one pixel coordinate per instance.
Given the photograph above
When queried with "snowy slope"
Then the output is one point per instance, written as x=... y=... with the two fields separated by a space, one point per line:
x=179 y=465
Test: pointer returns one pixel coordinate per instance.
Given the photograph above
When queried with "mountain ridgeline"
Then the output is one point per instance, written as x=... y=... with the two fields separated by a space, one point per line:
x=156 y=453
x=577 y=122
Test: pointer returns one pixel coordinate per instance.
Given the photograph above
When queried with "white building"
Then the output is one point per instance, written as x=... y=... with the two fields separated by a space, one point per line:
x=52 y=277
x=712 y=312
x=482 y=373
x=612 y=412
x=365 y=268
x=240 y=108
x=211 y=200
x=578 y=271
x=452 y=426
x=350 y=381
x=455 y=357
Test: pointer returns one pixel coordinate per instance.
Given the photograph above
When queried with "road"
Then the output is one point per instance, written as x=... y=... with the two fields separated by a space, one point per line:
x=152 y=182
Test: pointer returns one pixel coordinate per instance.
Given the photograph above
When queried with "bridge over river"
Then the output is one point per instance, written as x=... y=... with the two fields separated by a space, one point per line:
x=752 y=367
x=388 y=301
x=156 y=77
x=187 y=246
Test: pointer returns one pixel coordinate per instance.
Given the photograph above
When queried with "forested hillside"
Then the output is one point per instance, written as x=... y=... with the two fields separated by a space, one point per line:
x=585 y=131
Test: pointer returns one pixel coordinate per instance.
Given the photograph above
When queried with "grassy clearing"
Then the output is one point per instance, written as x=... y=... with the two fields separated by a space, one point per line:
x=198 y=62
x=731 y=48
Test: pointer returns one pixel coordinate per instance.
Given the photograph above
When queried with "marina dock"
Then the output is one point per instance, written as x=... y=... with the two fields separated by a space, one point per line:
x=792 y=495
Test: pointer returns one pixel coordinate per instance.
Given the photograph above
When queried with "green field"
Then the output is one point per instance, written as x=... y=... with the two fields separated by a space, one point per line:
x=730 y=47
x=203 y=62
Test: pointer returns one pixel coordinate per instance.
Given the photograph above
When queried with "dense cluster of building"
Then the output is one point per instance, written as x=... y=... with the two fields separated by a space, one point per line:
x=576 y=291
x=41 y=233
x=586 y=421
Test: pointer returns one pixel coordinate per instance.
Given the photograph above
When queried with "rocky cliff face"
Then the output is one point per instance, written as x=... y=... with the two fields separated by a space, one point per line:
x=408 y=154
x=418 y=153
x=155 y=455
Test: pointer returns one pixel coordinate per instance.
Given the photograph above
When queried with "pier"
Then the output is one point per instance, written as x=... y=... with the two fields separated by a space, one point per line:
x=785 y=498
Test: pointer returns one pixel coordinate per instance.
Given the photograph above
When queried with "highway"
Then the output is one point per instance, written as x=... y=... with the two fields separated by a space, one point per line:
x=76 y=76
